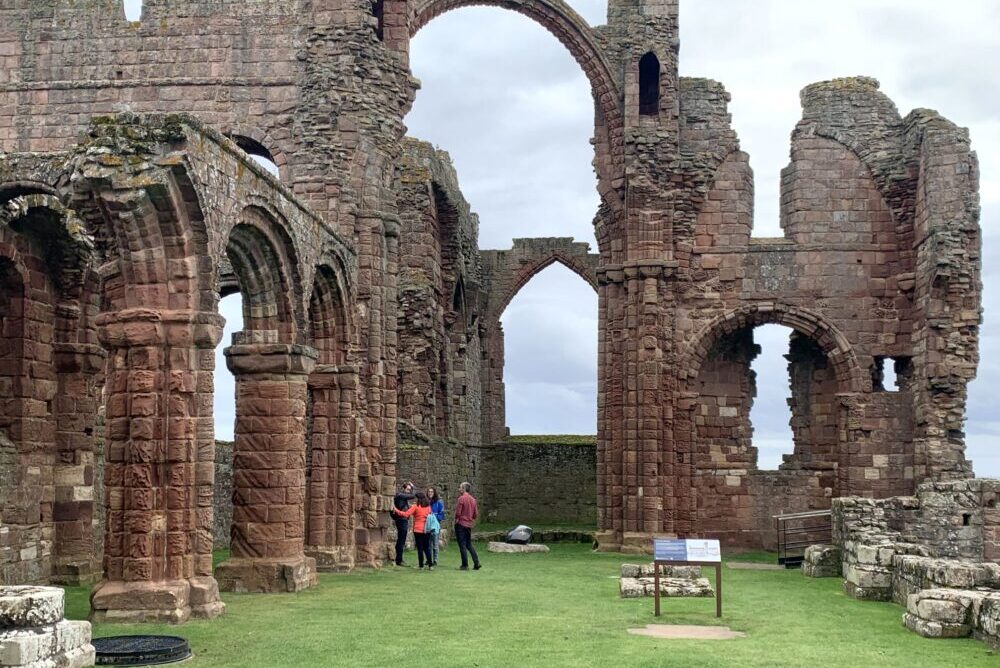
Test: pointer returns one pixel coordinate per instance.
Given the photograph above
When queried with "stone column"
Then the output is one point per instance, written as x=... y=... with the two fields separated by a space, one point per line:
x=269 y=454
x=79 y=369
x=333 y=479
x=155 y=525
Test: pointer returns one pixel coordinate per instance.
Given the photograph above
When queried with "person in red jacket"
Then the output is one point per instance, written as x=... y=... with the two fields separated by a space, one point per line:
x=466 y=512
x=419 y=511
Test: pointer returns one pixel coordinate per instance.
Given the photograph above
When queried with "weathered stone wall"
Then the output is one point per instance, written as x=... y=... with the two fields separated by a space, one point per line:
x=541 y=483
x=222 y=505
x=544 y=481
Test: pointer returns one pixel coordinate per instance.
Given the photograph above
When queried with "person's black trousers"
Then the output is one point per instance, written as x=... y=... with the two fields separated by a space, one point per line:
x=423 y=541
x=402 y=528
x=464 y=537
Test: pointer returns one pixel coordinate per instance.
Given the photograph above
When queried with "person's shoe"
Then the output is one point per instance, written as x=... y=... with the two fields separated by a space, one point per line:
x=477 y=567
x=463 y=568
x=430 y=568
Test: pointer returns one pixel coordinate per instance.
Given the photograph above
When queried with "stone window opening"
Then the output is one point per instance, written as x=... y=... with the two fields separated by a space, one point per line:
x=891 y=374
x=378 y=11
x=261 y=155
x=649 y=85
x=771 y=417
x=966 y=519
x=133 y=10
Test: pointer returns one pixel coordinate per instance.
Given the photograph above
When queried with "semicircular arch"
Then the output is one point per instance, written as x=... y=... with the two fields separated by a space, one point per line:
x=573 y=32
x=831 y=340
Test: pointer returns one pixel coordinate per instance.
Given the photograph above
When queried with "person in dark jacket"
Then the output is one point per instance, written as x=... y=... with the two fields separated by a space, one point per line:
x=401 y=502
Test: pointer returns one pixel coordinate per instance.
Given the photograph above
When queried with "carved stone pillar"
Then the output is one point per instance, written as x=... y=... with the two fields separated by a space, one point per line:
x=269 y=452
x=158 y=386
x=333 y=468
x=79 y=370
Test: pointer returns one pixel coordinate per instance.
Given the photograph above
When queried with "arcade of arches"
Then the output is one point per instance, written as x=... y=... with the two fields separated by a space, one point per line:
x=370 y=309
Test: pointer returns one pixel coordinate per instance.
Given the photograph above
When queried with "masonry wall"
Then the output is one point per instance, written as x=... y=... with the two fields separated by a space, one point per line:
x=540 y=482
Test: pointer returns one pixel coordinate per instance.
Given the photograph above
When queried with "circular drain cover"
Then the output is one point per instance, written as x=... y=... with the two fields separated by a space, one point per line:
x=140 y=650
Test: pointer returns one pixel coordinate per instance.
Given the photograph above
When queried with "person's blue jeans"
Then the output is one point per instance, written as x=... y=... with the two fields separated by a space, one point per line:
x=434 y=546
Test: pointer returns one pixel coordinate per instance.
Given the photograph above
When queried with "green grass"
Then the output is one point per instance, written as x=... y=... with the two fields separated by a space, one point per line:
x=549 y=610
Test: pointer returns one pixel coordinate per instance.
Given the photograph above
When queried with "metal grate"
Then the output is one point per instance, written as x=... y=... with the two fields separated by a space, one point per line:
x=141 y=650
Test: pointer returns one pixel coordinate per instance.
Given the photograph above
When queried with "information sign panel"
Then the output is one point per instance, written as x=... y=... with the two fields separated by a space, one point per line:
x=691 y=549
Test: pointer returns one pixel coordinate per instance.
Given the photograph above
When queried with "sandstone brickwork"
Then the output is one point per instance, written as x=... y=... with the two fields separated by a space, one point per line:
x=128 y=206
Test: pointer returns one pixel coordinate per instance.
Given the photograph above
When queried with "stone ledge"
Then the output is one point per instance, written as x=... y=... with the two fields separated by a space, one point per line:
x=25 y=607
x=511 y=548
x=669 y=587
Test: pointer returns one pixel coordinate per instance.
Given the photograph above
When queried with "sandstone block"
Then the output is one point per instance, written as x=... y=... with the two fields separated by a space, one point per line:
x=29 y=606
x=510 y=548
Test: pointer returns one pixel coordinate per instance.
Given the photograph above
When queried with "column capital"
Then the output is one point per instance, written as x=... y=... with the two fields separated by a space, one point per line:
x=333 y=376
x=152 y=327
x=648 y=268
x=288 y=358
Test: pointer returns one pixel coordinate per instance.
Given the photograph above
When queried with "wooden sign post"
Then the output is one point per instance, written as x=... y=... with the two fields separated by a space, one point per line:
x=687 y=552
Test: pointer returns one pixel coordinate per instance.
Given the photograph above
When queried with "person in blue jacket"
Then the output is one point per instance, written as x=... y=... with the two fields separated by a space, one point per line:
x=437 y=507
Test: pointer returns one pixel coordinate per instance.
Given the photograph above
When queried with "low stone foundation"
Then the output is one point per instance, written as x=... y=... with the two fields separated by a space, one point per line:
x=822 y=561
x=912 y=574
x=955 y=613
x=511 y=548
x=935 y=553
x=33 y=633
x=638 y=580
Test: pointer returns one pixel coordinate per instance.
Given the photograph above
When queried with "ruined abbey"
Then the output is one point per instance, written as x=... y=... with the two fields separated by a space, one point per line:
x=130 y=203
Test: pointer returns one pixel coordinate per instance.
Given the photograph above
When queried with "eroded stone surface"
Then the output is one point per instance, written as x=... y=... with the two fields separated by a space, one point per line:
x=510 y=548
x=670 y=587
x=28 y=606
x=34 y=634
x=822 y=561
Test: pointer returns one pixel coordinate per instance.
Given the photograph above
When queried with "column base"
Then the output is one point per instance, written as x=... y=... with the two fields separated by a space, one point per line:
x=267 y=576
x=81 y=573
x=607 y=541
x=332 y=559
x=171 y=602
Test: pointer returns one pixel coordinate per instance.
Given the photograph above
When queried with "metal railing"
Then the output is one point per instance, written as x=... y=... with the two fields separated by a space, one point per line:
x=797 y=531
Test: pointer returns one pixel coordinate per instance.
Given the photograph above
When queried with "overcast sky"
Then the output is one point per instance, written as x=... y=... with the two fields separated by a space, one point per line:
x=515 y=112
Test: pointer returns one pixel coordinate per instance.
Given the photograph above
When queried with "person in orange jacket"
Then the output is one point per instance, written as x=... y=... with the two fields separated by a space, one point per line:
x=419 y=511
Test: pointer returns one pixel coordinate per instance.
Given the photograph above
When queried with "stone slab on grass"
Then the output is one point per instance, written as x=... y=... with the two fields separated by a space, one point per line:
x=687 y=632
x=669 y=587
x=646 y=571
x=511 y=548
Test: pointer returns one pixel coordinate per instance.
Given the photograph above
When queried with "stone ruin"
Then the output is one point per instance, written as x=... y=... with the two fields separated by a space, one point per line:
x=34 y=634
x=936 y=553
x=129 y=204
x=638 y=580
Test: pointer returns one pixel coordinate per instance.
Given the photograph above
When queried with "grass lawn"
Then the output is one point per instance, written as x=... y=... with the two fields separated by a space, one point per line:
x=556 y=609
